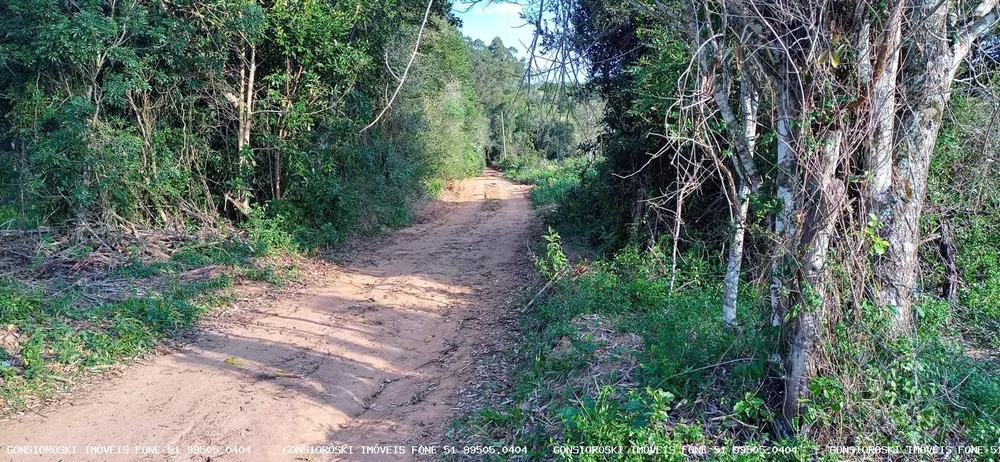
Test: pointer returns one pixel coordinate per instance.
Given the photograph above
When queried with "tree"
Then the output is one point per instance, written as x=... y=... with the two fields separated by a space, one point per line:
x=856 y=93
x=497 y=74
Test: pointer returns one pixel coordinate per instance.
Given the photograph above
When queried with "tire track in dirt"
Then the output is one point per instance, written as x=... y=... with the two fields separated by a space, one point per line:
x=372 y=353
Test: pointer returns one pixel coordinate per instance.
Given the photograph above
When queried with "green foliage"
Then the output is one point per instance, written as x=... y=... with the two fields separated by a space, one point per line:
x=966 y=198
x=434 y=133
x=638 y=423
x=682 y=341
x=928 y=389
x=979 y=261
x=444 y=118
x=528 y=123
x=554 y=262
x=136 y=115
x=878 y=244
x=751 y=409
x=553 y=180
x=269 y=234
x=925 y=390
x=637 y=61
x=574 y=196
x=55 y=337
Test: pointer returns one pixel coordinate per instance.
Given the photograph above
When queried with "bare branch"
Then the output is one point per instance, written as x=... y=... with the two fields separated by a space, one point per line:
x=402 y=79
x=984 y=17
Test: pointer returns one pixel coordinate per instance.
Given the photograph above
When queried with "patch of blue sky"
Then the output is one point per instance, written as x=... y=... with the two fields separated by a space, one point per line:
x=485 y=20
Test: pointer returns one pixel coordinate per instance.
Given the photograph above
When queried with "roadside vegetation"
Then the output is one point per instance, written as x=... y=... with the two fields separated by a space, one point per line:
x=627 y=346
x=554 y=179
x=622 y=352
x=52 y=336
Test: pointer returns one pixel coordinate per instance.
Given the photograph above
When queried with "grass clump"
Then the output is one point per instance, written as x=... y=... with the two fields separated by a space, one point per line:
x=47 y=341
x=61 y=319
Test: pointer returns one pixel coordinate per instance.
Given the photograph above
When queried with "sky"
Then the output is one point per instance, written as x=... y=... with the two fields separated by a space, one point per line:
x=486 y=20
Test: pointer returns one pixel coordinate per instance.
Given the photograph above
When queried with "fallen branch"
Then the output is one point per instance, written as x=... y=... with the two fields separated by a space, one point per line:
x=713 y=366
x=545 y=288
x=22 y=232
x=241 y=205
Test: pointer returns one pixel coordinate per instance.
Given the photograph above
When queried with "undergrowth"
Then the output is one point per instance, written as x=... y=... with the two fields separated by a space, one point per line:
x=573 y=195
x=618 y=355
x=48 y=341
x=553 y=180
x=55 y=329
x=692 y=381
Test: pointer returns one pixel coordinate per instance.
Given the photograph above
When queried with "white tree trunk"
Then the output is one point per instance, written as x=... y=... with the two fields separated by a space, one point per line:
x=732 y=281
x=784 y=226
x=933 y=55
x=743 y=135
x=826 y=194
x=883 y=111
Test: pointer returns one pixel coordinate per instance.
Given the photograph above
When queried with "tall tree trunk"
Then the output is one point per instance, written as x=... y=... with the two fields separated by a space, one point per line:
x=784 y=225
x=815 y=293
x=932 y=59
x=883 y=109
x=800 y=337
x=742 y=132
x=246 y=113
x=735 y=260
x=244 y=117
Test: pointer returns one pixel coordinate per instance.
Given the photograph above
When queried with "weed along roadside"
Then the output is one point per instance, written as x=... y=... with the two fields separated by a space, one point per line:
x=68 y=316
x=622 y=355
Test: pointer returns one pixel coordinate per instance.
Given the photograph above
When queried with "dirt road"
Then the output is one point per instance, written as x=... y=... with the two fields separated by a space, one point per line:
x=370 y=354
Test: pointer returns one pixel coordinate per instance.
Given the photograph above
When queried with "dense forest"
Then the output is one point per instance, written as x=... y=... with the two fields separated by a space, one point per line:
x=138 y=115
x=768 y=223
